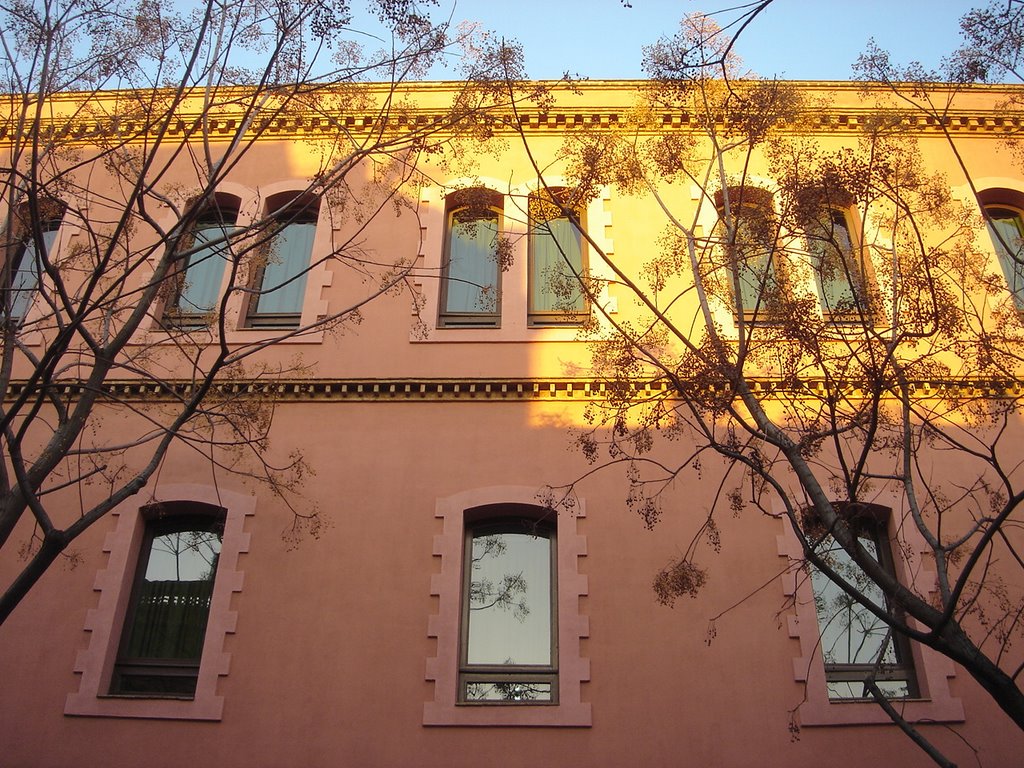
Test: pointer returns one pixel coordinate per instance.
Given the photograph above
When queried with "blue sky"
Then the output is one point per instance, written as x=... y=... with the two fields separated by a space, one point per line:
x=796 y=39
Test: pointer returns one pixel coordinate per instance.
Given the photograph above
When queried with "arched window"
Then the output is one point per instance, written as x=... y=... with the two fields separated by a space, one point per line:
x=509 y=613
x=165 y=626
x=855 y=643
x=200 y=273
x=279 y=284
x=471 y=273
x=557 y=262
x=29 y=254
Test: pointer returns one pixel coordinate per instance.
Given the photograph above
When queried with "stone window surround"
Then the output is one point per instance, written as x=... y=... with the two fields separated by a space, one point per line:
x=104 y=623
x=445 y=627
x=933 y=670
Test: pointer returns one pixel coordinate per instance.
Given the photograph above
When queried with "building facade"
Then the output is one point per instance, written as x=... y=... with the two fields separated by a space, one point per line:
x=420 y=595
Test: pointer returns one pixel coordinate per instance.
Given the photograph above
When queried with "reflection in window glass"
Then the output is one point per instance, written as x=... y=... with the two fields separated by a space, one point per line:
x=166 y=625
x=510 y=600
x=508 y=654
x=511 y=690
x=854 y=641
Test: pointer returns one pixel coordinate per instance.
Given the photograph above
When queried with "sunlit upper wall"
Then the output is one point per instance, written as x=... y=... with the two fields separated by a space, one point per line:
x=625 y=227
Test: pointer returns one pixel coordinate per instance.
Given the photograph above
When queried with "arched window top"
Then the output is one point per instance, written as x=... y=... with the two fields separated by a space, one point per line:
x=159 y=510
x=223 y=207
x=525 y=513
x=744 y=196
x=294 y=206
x=473 y=203
x=1001 y=196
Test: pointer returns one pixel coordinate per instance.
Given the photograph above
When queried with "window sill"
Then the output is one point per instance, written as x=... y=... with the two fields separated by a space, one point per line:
x=208 y=334
x=498 y=335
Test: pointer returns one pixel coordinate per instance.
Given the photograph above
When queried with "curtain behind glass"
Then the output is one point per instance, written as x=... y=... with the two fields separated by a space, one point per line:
x=172 y=603
x=833 y=251
x=289 y=258
x=472 y=274
x=201 y=288
x=1007 y=224
x=555 y=286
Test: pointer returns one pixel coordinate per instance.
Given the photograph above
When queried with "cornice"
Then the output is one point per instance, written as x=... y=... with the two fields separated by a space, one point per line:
x=842 y=109
x=496 y=389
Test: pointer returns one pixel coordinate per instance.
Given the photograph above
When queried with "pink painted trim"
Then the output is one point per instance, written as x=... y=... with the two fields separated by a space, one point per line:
x=95 y=664
x=442 y=669
x=933 y=669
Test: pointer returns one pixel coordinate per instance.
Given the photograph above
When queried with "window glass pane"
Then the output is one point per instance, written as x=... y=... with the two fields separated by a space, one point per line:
x=557 y=259
x=753 y=251
x=891 y=689
x=284 y=277
x=832 y=248
x=1007 y=231
x=472 y=269
x=202 y=280
x=25 y=279
x=173 y=599
x=510 y=600
x=513 y=690
x=850 y=633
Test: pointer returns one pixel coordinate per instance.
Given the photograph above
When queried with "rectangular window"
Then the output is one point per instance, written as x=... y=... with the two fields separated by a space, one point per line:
x=198 y=286
x=471 y=283
x=556 y=256
x=26 y=268
x=509 y=652
x=280 y=283
x=855 y=642
x=165 y=626
x=836 y=268
x=1006 y=226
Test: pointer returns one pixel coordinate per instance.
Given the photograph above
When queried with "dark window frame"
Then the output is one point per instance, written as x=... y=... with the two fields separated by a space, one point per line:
x=558 y=317
x=222 y=214
x=160 y=520
x=512 y=674
x=284 y=210
x=464 y=207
